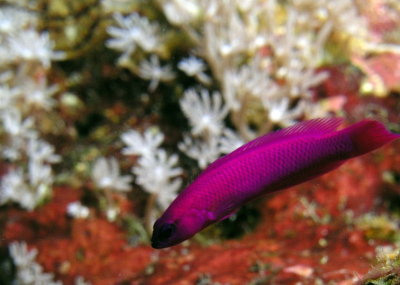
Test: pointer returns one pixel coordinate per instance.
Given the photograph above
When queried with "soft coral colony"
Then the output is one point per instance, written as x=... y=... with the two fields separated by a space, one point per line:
x=230 y=70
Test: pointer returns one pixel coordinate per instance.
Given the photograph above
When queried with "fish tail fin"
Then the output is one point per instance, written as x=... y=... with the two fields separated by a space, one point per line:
x=369 y=135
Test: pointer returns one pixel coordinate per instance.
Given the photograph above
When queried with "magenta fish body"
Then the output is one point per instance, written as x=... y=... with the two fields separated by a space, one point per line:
x=269 y=163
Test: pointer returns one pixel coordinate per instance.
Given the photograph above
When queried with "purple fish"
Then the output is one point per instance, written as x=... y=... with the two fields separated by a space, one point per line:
x=269 y=163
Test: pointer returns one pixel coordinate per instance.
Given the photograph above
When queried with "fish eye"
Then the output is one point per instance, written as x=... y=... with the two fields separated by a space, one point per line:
x=166 y=231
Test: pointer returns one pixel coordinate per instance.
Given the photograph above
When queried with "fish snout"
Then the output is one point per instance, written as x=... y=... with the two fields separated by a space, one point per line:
x=162 y=235
x=157 y=245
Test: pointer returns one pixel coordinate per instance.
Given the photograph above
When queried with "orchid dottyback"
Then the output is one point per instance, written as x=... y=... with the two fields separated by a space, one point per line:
x=267 y=164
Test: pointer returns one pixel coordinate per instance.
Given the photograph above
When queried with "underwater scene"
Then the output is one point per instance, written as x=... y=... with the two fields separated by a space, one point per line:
x=112 y=113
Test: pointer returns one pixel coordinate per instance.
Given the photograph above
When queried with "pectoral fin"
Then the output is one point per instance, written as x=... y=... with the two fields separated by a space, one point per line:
x=228 y=216
x=210 y=217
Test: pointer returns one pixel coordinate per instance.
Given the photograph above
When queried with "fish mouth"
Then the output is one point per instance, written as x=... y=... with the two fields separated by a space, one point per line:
x=157 y=245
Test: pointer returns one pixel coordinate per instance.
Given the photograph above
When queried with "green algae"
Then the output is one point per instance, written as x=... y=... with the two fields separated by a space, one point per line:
x=389 y=279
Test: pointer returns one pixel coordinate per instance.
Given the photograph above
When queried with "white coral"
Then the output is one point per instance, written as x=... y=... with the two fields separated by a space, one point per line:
x=8 y=94
x=204 y=151
x=156 y=171
x=229 y=141
x=143 y=145
x=153 y=71
x=28 y=271
x=248 y=82
x=195 y=67
x=132 y=31
x=180 y=12
x=209 y=136
x=258 y=58
x=80 y=281
x=207 y=149
x=27 y=189
x=205 y=112
x=14 y=188
x=30 y=185
x=106 y=175
x=13 y=20
x=42 y=151
x=77 y=210
x=29 y=45
x=15 y=125
x=39 y=176
x=279 y=112
x=38 y=94
x=25 y=55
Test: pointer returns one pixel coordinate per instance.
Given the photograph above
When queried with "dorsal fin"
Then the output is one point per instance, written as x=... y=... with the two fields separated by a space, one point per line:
x=307 y=128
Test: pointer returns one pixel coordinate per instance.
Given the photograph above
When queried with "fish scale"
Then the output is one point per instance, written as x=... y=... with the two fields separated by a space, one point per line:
x=269 y=163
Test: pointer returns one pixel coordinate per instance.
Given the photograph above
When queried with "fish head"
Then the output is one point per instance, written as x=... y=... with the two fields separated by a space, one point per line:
x=171 y=230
